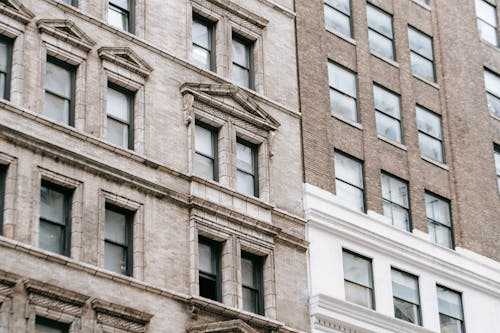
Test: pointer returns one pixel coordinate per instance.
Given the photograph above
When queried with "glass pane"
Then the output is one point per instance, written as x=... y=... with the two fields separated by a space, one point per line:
x=114 y=227
x=41 y=328
x=208 y=288
x=337 y=21
x=487 y=32
x=486 y=12
x=118 y=104
x=201 y=34
x=4 y=54
x=350 y=195
x=492 y=83
x=240 y=76
x=118 y=18
x=440 y=234
x=201 y=57
x=450 y=325
x=2 y=85
x=430 y=147
x=388 y=127
x=405 y=286
x=342 y=79
x=379 y=21
x=420 y=43
x=58 y=80
x=241 y=53
x=117 y=133
x=386 y=102
x=437 y=209
x=245 y=183
x=429 y=122
x=203 y=141
x=398 y=215
x=115 y=258
x=406 y=311
x=343 y=105
x=450 y=302
x=52 y=205
x=497 y=162
x=422 y=67
x=349 y=170
x=357 y=269
x=493 y=104
x=380 y=44
x=249 y=300
x=357 y=294
x=125 y=4
x=51 y=237
x=203 y=166
x=56 y=108
x=394 y=190
x=206 y=261
x=342 y=5
x=244 y=158
x=248 y=273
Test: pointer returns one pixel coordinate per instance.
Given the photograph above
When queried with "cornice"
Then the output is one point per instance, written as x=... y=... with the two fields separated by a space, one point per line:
x=66 y=31
x=16 y=10
x=125 y=57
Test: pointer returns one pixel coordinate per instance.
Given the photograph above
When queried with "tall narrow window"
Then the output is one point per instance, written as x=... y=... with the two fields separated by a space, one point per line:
x=358 y=280
x=430 y=138
x=492 y=85
x=487 y=22
x=55 y=218
x=380 y=33
x=406 y=296
x=439 y=220
x=387 y=113
x=396 y=201
x=349 y=181
x=5 y=66
x=209 y=270
x=205 y=146
x=252 y=283
x=119 y=109
x=421 y=54
x=118 y=240
x=497 y=164
x=59 y=91
x=120 y=14
x=247 y=180
x=343 y=92
x=242 y=72
x=43 y=325
x=203 y=43
x=338 y=16
x=451 y=316
x=3 y=177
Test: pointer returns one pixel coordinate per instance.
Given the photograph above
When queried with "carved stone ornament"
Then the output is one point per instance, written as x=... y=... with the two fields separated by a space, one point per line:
x=126 y=58
x=120 y=317
x=16 y=10
x=66 y=31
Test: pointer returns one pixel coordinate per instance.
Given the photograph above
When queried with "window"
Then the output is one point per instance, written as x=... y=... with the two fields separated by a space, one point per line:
x=423 y=2
x=120 y=14
x=358 y=281
x=3 y=177
x=487 y=22
x=119 y=110
x=205 y=146
x=497 y=165
x=396 y=201
x=421 y=54
x=406 y=296
x=349 y=181
x=451 y=316
x=242 y=62
x=439 y=220
x=430 y=138
x=203 y=43
x=338 y=16
x=492 y=85
x=55 y=220
x=247 y=180
x=387 y=113
x=43 y=325
x=59 y=91
x=5 y=66
x=252 y=283
x=209 y=269
x=71 y=2
x=380 y=34
x=343 y=92
x=118 y=240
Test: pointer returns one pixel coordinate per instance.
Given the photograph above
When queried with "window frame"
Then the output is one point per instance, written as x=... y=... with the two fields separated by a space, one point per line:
x=216 y=252
x=357 y=160
x=394 y=58
x=255 y=158
x=478 y=18
x=9 y=42
x=73 y=3
x=65 y=328
x=419 y=305
x=72 y=70
x=355 y=98
x=215 y=136
x=131 y=102
x=129 y=228
x=462 y=321
x=434 y=80
x=130 y=15
x=3 y=181
x=249 y=45
x=400 y=120
x=258 y=270
x=489 y=92
x=351 y=30
x=211 y=38
x=429 y=220
x=440 y=140
x=408 y=209
x=496 y=152
x=372 y=288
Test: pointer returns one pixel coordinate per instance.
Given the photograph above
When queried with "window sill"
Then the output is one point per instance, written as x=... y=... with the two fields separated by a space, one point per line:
x=387 y=60
x=392 y=142
x=436 y=163
x=494 y=47
x=433 y=84
x=422 y=5
x=341 y=35
x=347 y=121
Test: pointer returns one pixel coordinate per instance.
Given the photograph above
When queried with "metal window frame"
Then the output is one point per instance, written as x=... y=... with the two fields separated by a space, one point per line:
x=487 y=23
x=370 y=260
x=130 y=14
x=249 y=44
x=211 y=40
x=419 y=310
x=8 y=74
x=215 y=136
x=131 y=100
x=355 y=98
x=381 y=34
x=3 y=178
x=52 y=324
x=336 y=151
x=429 y=220
x=72 y=70
x=421 y=55
x=351 y=30
x=215 y=250
x=255 y=158
x=462 y=321
x=257 y=262
x=73 y=3
x=440 y=118
x=408 y=209
x=399 y=120
x=128 y=246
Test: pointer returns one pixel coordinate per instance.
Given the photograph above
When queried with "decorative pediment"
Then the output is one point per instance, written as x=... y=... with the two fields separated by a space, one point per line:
x=127 y=58
x=119 y=317
x=243 y=107
x=16 y=10
x=7 y=282
x=231 y=326
x=66 y=31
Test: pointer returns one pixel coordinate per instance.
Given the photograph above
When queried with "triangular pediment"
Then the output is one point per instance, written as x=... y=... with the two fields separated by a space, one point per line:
x=231 y=99
x=66 y=31
x=16 y=10
x=127 y=58
x=231 y=326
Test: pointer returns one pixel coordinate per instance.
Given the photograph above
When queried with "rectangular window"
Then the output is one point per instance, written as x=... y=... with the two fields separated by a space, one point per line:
x=358 y=280
x=487 y=22
x=406 y=296
x=492 y=85
x=120 y=14
x=497 y=164
x=430 y=138
x=451 y=316
x=247 y=180
x=338 y=16
x=44 y=325
x=252 y=283
x=71 y=2
x=59 y=91
x=242 y=72
x=3 y=177
x=205 y=146
x=118 y=240
x=209 y=270
x=380 y=33
x=119 y=110
x=343 y=92
x=387 y=113
x=396 y=201
x=439 y=220
x=423 y=2
x=349 y=181
x=203 y=43
x=55 y=218
x=421 y=54
x=5 y=66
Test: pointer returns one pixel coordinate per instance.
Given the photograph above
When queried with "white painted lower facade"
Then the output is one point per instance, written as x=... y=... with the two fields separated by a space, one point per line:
x=333 y=227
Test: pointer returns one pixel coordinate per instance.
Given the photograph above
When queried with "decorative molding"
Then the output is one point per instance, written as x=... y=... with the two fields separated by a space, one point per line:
x=16 y=10
x=231 y=326
x=7 y=282
x=125 y=57
x=66 y=31
x=121 y=317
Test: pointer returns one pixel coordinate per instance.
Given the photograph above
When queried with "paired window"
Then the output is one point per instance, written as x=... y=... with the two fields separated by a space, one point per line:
x=349 y=181
x=44 y=325
x=439 y=220
x=59 y=91
x=205 y=146
x=380 y=32
x=421 y=54
x=358 y=279
x=387 y=113
x=119 y=110
x=241 y=71
x=55 y=218
x=5 y=66
x=487 y=22
x=338 y=16
x=247 y=180
x=406 y=296
x=3 y=177
x=209 y=269
x=396 y=201
x=497 y=165
x=203 y=43
x=120 y=14
x=430 y=137
x=118 y=240
x=451 y=315
x=252 y=283
x=343 y=92
x=492 y=85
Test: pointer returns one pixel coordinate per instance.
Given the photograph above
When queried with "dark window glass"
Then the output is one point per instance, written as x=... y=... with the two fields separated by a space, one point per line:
x=59 y=91
x=439 y=220
x=380 y=34
x=492 y=84
x=246 y=168
x=203 y=43
x=209 y=269
x=71 y=2
x=43 y=325
x=349 y=181
x=406 y=297
x=118 y=240
x=119 y=109
x=358 y=280
x=421 y=54
x=487 y=22
x=387 y=113
x=205 y=146
x=343 y=92
x=242 y=62
x=252 y=283
x=5 y=66
x=338 y=16
x=396 y=201
x=450 y=310
x=430 y=138
x=120 y=14
x=3 y=177
x=497 y=164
